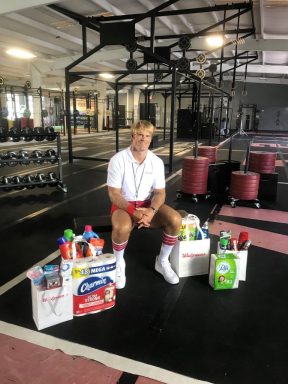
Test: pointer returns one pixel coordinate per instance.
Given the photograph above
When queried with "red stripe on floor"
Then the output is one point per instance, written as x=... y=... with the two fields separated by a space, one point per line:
x=263 y=145
x=22 y=362
x=255 y=214
x=264 y=239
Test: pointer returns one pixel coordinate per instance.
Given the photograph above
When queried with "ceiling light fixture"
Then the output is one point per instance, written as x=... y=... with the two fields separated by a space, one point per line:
x=106 y=75
x=215 y=41
x=20 y=53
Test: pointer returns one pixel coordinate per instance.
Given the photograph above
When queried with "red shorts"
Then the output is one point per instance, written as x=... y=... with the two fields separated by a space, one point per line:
x=137 y=204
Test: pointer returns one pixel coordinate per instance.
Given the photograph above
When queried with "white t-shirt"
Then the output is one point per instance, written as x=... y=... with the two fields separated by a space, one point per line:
x=137 y=181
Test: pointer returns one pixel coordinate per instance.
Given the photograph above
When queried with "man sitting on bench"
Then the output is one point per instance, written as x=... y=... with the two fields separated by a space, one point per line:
x=136 y=187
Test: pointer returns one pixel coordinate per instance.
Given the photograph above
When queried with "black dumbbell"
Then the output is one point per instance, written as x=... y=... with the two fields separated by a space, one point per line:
x=6 y=180
x=3 y=159
x=14 y=133
x=51 y=178
x=41 y=178
x=52 y=156
x=28 y=180
x=17 y=181
x=38 y=133
x=3 y=135
x=27 y=134
x=36 y=157
x=11 y=158
x=23 y=157
x=51 y=134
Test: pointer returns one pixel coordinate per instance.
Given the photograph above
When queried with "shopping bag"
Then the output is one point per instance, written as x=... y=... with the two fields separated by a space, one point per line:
x=51 y=306
x=190 y=257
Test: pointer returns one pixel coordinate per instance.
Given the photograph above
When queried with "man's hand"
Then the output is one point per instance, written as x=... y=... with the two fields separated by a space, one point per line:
x=137 y=215
x=147 y=216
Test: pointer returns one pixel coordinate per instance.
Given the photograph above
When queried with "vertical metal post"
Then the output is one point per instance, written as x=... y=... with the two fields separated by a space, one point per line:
x=227 y=117
x=220 y=118
x=117 y=115
x=96 y=112
x=211 y=116
x=84 y=39
x=68 y=115
x=198 y=112
x=41 y=106
x=63 y=112
x=165 y=114
x=173 y=105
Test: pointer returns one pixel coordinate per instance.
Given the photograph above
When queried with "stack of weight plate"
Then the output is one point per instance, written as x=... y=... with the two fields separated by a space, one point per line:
x=262 y=162
x=244 y=186
x=195 y=175
x=208 y=151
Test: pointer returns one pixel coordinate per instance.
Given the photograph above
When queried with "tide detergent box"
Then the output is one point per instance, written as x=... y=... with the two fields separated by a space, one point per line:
x=224 y=271
x=94 y=287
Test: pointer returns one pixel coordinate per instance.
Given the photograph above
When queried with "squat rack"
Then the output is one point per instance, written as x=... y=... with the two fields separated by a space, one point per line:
x=125 y=36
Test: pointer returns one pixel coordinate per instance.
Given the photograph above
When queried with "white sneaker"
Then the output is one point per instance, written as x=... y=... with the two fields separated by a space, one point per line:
x=166 y=271
x=120 y=274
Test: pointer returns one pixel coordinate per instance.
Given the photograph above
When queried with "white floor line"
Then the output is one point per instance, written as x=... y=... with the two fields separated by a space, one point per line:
x=18 y=279
x=113 y=361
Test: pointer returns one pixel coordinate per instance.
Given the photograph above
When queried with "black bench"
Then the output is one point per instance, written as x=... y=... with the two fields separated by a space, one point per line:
x=99 y=223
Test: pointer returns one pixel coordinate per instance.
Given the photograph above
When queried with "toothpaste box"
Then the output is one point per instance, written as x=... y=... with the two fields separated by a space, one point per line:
x=224 y=271
x=94 y=287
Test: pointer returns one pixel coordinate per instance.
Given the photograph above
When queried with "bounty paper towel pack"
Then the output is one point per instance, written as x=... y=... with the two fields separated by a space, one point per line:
x=224 y=271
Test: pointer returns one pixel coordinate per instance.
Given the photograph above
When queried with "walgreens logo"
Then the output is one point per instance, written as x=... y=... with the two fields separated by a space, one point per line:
x=194 y=254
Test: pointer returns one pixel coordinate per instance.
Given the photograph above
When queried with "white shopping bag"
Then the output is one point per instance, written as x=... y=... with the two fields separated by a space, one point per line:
x=52 y=306
x=190 y=257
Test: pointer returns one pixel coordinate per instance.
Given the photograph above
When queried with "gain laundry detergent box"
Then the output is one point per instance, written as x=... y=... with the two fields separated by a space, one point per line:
x=224 y=271
x=94 y=287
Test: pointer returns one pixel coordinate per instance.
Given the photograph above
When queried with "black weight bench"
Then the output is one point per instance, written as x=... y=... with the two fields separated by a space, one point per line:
x=99 y=223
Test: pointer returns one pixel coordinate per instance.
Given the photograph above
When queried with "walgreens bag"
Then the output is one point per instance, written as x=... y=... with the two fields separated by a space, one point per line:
x=51 y=306
x=190 y=257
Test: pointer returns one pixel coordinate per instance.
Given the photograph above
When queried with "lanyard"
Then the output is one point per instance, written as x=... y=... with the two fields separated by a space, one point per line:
x=135 y=181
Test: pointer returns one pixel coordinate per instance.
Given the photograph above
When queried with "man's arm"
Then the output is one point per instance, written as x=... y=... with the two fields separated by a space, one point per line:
x=158 y=198
x=117 y=199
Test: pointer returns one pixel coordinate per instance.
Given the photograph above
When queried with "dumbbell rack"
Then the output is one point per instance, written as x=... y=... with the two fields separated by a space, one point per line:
x=57 y=182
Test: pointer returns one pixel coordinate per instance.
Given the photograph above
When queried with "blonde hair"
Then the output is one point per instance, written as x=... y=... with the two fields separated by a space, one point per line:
x=142 y=125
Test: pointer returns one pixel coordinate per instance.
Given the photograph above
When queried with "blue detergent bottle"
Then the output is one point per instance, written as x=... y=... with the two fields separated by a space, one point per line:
x=204 y=232
x=89 y=233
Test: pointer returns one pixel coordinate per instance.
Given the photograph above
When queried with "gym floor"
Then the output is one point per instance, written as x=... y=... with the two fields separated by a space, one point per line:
x=156 y=332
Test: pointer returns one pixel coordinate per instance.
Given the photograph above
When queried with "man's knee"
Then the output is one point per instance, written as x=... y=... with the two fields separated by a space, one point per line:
x=121 y=224
x=176 y=219
x=173 y=218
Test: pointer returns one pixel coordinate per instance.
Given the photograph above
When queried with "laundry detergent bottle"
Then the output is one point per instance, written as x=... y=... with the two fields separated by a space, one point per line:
x=89 y=233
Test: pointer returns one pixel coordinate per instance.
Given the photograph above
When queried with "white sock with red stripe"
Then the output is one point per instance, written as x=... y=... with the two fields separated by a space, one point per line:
x=168 y=243
x=118 y=250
